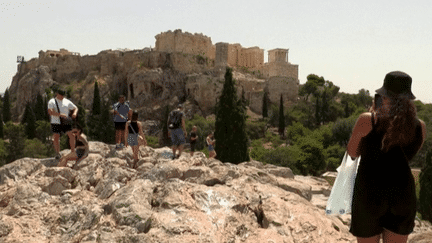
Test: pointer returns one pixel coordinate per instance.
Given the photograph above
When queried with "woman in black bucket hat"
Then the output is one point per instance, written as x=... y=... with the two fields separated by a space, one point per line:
x=386 y=138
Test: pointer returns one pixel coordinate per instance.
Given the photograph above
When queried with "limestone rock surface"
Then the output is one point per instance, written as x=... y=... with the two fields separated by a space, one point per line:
x=190 y=199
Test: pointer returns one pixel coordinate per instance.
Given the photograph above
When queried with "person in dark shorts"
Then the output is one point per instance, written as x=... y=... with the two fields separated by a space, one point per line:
x=386 y=138
x=176 y=121
x=132 y=132
x=122 y=112
x=81 y=148
x=61 y=107
x=193 y=140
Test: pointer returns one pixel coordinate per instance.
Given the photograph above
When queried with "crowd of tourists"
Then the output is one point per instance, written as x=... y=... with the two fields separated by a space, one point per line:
x=128 y=130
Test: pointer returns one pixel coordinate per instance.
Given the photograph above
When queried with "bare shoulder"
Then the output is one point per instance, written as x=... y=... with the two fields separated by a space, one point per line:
x=423 y=124
x=364 y=124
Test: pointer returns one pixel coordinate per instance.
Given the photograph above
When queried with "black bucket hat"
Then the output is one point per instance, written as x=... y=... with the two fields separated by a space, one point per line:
x=396 y=83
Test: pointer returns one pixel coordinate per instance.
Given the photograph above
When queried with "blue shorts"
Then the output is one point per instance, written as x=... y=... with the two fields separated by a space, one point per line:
x=132 y=139
x=177 y=137
x=210 y=148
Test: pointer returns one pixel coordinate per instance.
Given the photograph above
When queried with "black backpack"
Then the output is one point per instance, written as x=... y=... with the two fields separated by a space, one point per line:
x=175 y=119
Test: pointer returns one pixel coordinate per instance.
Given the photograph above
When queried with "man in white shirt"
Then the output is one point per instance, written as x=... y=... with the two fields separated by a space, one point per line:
x=60 y=107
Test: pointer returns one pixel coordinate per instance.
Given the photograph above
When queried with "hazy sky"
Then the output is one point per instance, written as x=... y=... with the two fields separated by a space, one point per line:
x=351 y=43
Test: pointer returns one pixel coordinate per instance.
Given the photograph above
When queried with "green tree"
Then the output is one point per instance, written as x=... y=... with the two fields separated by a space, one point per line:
x=311 y=85
x=43 y=133
x=230 y=126
x=81 y=117
x=425 y=195
x=106 y=126
x=94 y=119
x=281 y=118
x=311 y=159
x=1 y=127
x=29 y=122
x=16 y=136
x=342 y=129
x=6 y=107
x=296 y=131
x=46 y=115
x=265 y=105
x=3 y=152
x=39 y=108
x=96 y=108
x=34 y=148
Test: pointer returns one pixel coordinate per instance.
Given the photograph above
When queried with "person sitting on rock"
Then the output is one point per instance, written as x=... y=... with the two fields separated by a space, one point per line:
x=81 y=148
x=132 y=131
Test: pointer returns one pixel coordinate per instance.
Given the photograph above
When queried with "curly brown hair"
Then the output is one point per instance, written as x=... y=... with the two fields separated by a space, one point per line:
x=399 y=123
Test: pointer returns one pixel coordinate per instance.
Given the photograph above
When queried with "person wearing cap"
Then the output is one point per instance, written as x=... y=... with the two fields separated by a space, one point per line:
x=177 y=130
x=61 y=107
x=386 y=138
x=122 y=112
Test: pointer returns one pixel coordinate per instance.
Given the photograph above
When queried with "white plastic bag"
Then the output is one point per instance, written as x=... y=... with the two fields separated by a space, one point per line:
x=341 y=194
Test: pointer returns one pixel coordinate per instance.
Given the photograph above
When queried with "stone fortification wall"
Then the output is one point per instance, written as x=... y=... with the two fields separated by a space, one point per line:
x=245 y=57
x=286 y=86
x=177 y=41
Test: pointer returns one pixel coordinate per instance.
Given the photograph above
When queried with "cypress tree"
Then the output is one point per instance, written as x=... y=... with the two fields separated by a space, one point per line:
x=106 y=126
x=281 y=118
x=94 y=120
x=425 y=195
x=81 y=119
x=96 y=109
x=230 y=125
x=264 y=105
x=39 y=108
x=46 y=115
x=29 y=122
x=6 y=107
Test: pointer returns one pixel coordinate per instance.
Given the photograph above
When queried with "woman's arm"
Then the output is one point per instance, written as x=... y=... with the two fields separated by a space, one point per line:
x=126 y=134
x=362 y=128
x=141 y=132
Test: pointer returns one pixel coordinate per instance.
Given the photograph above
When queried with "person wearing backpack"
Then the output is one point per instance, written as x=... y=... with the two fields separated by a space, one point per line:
x=177 y=130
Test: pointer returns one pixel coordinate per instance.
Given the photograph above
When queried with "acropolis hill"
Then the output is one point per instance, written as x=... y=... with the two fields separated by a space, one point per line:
x=183 y=67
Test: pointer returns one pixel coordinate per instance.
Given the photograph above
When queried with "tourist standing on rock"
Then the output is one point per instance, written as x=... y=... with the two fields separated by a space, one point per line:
x=386 y=138
x=176 y=121
x=60 y=107
x=193 y=139
x=81 y=147
x=122 y=113
x=132 y=132
x=211 y=143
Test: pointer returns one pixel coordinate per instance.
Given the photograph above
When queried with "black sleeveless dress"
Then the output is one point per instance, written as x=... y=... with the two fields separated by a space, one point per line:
x=384 y=191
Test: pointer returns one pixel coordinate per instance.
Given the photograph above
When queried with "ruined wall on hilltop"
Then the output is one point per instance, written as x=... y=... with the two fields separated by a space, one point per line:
x=245 y=57
x=177 y=41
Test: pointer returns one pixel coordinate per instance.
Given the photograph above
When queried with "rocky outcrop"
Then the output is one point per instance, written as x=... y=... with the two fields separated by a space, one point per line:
x=191 y=199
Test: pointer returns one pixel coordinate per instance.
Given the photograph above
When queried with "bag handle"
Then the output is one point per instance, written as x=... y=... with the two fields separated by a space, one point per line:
x=130 y=124
x=58 y=110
